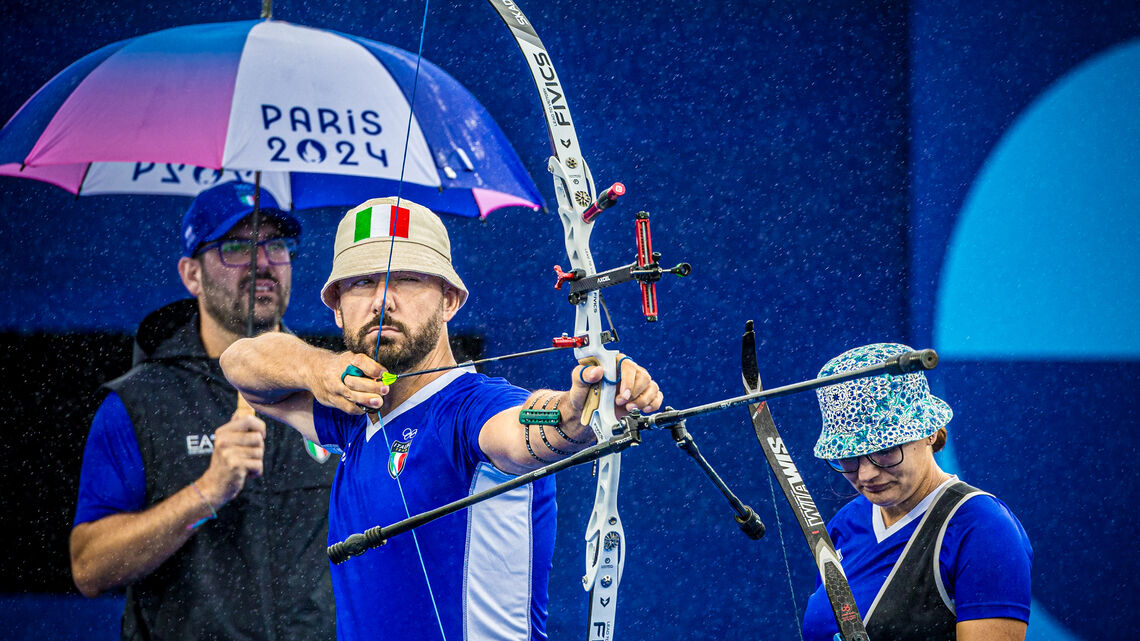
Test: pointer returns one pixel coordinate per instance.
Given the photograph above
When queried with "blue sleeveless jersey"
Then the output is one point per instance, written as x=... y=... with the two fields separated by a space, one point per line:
x=984 y=560
x=486 y=567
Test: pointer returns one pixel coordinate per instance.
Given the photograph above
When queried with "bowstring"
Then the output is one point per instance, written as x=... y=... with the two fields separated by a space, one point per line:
x=784 y=549
x=384 y=303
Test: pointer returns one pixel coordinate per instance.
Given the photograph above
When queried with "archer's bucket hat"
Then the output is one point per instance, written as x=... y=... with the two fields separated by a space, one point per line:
x=414 y=235
x=874 y=413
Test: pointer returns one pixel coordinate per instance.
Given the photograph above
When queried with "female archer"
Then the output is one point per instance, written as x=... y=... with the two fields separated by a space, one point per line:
x=927 y=556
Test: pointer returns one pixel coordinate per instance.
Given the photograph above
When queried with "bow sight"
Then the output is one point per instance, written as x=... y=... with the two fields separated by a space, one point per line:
x=646 y=271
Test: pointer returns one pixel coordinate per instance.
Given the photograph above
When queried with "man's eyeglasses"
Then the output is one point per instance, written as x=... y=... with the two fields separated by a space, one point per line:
x=236 y=252
x=889 y=457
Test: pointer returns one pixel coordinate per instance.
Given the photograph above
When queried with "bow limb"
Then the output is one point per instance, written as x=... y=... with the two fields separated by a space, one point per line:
x=574 y=187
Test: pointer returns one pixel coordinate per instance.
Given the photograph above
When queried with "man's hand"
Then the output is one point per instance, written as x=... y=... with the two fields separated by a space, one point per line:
x=239 y=449
x=517 y=451
x=351 y=394
x=636 y=389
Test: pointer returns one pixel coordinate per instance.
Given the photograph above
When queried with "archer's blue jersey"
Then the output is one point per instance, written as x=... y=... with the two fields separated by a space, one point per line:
x=984 y=561
x=487 y=566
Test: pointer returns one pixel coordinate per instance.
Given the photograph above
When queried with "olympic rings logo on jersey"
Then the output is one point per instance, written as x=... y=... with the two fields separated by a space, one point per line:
x=398 y=454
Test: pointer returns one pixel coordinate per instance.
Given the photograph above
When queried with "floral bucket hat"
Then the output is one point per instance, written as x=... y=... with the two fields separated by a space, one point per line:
x=878 y=412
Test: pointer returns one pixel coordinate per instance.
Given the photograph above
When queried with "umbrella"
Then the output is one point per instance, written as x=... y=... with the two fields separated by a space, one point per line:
x=324 y=117
x=316 y=118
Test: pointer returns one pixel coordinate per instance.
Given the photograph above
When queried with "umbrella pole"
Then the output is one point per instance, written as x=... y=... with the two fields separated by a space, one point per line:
x=253 y=255
x=266 y=9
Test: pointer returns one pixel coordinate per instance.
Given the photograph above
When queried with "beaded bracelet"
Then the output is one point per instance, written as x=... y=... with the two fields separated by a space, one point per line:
x=564 y=435
x=546 y=442
x=213 y=513
x=526 y=439
x=542 y=431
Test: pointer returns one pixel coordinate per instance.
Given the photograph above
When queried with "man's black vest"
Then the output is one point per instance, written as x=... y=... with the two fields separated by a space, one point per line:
x=910 y=605
x=259 y=571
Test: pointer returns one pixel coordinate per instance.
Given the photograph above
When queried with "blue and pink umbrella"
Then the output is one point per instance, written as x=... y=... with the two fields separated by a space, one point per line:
x=326 y=118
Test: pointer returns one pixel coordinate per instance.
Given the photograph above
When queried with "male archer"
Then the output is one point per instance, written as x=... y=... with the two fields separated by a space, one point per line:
x=425 y=440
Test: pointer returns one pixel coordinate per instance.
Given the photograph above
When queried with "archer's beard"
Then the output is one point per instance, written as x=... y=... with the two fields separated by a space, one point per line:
x=231 y=309
x=394 y=359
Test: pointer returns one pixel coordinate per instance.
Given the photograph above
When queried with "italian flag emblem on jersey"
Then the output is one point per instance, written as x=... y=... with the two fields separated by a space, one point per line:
x=381 y=222
x=397 y=457
x=318 y=453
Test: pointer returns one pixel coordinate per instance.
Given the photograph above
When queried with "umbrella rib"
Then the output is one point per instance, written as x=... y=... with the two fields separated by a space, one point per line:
x=82 y=181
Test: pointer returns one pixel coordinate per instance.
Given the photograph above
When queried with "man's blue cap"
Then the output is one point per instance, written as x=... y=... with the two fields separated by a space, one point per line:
x=215 y=211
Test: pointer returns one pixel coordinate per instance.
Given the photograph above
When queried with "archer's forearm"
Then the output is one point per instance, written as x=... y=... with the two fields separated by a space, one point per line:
x=271 y=367
x=516 y=448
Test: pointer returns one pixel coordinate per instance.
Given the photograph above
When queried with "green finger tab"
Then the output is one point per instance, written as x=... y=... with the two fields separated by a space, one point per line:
x=351 y=370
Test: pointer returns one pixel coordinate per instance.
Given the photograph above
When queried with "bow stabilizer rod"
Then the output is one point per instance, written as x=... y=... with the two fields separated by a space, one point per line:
x=745 y=517
x=628 y=434
x=905 y=363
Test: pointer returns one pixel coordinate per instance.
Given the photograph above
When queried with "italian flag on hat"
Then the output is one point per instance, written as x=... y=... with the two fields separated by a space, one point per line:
x=390 y=235
x=381 y=221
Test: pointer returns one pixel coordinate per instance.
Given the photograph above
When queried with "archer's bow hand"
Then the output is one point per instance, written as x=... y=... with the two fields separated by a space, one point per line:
x=636 y=389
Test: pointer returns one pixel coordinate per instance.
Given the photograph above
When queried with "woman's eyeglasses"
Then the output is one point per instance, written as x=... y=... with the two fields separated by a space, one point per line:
x=889 y=457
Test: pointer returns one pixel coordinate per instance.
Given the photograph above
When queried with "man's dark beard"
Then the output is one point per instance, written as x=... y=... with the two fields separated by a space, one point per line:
x=231 y=312
x=419 y=345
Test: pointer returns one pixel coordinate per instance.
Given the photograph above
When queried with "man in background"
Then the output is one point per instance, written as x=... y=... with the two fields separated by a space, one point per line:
x=212 y=518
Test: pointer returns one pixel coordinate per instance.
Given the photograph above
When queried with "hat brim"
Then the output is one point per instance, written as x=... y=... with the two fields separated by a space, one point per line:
x=372 y=257
x=288 y=225
x=918 y=421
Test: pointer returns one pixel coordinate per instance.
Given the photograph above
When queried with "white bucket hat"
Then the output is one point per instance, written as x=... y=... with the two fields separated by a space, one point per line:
x=415 y=237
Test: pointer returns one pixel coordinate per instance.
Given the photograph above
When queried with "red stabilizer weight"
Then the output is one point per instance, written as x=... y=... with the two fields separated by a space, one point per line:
x=604 y=201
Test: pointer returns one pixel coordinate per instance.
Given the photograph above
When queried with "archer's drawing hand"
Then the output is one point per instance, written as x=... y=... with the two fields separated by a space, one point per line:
x=352 y=391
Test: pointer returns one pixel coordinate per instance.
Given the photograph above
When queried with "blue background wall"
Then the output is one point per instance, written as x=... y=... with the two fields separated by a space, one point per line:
x=841 y=172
